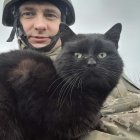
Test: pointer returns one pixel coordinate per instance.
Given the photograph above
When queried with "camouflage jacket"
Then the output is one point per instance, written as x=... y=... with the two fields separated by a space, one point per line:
x=121 y=112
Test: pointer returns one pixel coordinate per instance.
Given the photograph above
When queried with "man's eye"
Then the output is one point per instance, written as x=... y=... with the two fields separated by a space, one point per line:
x=51 y=16
x=27 y=14
x=102 y=55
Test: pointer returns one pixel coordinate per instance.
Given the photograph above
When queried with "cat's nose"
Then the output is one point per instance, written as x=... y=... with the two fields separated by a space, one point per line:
x=91 y=61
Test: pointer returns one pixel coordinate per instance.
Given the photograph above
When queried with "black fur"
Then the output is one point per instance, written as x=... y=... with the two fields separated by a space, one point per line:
x=60 y=100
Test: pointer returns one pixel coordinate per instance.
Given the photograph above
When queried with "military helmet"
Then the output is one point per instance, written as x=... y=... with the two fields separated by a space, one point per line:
x=8 y=17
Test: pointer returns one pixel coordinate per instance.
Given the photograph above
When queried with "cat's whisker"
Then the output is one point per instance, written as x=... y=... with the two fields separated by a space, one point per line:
x=57 y=87
x=68 y=84
x=71 y=71
x=72 y=87
x=63 y=90
x=106 y=71
x=75 y=70
x=53 y=83
x=72 y=82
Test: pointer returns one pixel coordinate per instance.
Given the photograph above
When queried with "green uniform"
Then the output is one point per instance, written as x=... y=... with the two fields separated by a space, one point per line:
x=121 y=112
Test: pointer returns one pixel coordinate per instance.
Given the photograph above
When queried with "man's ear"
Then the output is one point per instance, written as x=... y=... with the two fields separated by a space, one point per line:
x=113 y=33
x=66 y=34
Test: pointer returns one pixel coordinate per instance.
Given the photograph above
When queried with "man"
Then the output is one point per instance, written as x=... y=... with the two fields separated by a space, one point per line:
x=35 y=23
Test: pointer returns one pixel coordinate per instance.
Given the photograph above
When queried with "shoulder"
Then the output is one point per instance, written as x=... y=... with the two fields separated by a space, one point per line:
x=121 y=112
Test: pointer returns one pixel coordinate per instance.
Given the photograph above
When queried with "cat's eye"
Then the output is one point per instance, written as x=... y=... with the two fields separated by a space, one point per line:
x=78 y=55
x=102 y=55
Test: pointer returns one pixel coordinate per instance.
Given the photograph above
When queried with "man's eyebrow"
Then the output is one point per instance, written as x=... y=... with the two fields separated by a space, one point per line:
x=27 y=8
x=51 y=10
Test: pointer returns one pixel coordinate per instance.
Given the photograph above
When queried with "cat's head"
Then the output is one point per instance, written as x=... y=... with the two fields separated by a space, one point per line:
x=91 y=59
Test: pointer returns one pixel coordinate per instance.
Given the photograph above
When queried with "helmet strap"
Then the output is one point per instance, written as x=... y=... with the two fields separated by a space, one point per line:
x=47 y=48
x=15 y=25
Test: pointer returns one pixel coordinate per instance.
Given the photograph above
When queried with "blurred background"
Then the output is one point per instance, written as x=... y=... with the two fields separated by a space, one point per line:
x=97 y=16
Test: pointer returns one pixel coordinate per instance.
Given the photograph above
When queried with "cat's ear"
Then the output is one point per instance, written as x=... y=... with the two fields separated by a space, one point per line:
x=113 y=33
x=66 y=34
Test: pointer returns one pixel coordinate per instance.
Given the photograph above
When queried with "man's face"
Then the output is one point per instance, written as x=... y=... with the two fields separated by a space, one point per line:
x=40 y=22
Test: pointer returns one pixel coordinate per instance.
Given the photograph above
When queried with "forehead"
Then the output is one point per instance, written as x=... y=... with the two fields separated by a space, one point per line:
x=38 y=5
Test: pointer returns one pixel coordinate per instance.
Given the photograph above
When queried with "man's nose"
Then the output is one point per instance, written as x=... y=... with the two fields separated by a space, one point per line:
x=40 y=23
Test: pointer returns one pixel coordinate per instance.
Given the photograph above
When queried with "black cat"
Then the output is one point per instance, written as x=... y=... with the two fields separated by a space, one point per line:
x=61 y=100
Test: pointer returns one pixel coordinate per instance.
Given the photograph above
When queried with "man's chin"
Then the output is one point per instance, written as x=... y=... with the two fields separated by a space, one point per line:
x=38 y=46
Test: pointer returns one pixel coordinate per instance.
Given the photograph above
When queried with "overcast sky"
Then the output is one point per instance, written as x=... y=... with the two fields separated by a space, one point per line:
x=97 y=16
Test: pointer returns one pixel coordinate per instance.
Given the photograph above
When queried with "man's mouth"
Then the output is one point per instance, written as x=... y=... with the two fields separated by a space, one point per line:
x=39 y=39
